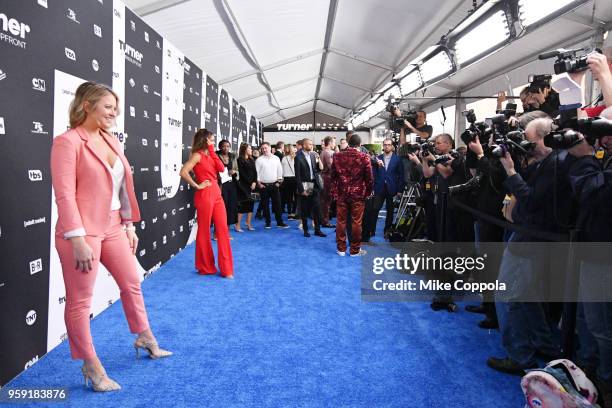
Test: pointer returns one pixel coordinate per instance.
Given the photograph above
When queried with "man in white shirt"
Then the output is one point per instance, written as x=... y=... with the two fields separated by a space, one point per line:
x=269 y=178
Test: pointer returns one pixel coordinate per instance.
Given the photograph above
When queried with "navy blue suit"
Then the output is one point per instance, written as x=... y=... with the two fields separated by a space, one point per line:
x=387 y=183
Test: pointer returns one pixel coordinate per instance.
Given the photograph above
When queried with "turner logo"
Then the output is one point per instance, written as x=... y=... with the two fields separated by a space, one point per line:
x=36 y=266
x=30 y=363
x=35 y=175
x=131 y=54
x=174 y=122
x=70 y=54
x=39 y=84
x=12 y=27
x=31 y=317
x=39 y=128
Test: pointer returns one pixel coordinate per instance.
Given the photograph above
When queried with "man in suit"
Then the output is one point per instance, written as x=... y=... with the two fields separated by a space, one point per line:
x=307 y=171
x=388 y=182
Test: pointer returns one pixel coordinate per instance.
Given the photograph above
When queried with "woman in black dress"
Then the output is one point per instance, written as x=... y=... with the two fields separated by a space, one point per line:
x=246 y=185
x=229 y=189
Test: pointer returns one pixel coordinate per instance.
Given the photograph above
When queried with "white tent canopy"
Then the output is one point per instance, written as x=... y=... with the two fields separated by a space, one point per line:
x=281 y=59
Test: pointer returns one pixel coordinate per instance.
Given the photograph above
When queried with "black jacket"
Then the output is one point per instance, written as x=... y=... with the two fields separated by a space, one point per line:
x=592 y=186
x=302 y=172
x=544 y=196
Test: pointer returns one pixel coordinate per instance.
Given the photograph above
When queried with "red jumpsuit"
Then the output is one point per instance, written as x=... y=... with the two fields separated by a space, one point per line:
x=210 y=207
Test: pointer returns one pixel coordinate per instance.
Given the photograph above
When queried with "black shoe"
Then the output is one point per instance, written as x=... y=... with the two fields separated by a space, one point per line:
x=282 y=225
x=508 y=366
x=475 y=309
x=320 y=234
x=548 y=356
x=489 y=323
x=267 y=226
x=307 y=234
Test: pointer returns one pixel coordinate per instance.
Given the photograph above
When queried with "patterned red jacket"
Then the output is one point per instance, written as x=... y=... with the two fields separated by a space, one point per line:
x=351 y=175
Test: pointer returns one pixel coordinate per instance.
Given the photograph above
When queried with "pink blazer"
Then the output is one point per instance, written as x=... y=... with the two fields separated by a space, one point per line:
x=83 y=185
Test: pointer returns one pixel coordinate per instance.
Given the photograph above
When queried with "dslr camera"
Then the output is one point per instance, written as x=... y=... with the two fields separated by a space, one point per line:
x=568 y=133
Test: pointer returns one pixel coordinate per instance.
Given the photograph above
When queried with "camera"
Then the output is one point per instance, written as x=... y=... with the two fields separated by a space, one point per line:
x=539 y=81
x=442 y=159
x=568 y=132
x=509 y=111
x=512 y=142
x=427 y=148
x=569 y=60
x=397 y=122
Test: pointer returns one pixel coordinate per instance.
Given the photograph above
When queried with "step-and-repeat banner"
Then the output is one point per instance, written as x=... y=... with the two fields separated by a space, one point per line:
x=47 y=49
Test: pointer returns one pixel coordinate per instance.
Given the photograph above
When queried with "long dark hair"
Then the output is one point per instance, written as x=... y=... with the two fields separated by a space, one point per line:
x=200 y=141
x=242 y=152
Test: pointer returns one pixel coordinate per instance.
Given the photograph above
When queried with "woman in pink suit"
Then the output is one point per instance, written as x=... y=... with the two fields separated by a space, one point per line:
x=96 y=206
x=208 y=201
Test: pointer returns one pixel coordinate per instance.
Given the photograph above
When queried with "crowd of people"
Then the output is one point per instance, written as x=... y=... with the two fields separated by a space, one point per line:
x=520 y=195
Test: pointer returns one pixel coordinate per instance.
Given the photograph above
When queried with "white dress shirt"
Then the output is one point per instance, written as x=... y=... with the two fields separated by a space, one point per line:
x=269 y=169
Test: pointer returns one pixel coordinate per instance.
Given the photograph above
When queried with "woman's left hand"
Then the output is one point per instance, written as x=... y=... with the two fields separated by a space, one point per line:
x=133 y=240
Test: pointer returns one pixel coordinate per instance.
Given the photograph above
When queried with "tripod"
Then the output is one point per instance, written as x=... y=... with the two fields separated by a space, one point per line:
x=408 y=222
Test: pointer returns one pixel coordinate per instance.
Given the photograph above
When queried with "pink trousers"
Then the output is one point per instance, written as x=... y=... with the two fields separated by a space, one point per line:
x=113 y=251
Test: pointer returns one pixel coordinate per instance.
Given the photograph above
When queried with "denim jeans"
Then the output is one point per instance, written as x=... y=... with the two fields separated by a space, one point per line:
x=596 y=283
x=522 y=325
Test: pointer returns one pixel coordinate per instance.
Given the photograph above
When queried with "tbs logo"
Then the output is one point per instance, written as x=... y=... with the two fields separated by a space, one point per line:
x=35 y=175
x=70 y=54
x=39 y=84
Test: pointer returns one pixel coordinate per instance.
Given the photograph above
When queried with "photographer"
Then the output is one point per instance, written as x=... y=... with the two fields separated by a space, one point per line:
x=601 y=68
x=452 y=225
x=490 y=195
x=420 y=127
x=541 y=96
x=544 y=203
x=592 y=185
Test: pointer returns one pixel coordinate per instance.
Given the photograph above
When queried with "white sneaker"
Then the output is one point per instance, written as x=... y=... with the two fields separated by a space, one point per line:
x=341 y=253
x=361 y=252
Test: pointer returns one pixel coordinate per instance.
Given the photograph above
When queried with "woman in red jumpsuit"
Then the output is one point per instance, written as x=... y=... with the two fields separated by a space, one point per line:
x=208 y=202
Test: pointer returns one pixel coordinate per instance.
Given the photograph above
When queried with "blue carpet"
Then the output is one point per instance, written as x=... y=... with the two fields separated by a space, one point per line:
x=290 y=330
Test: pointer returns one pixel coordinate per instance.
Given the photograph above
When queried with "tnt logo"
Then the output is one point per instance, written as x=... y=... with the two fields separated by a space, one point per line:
x=35 y=175
x=36 y=266
x=31 y=317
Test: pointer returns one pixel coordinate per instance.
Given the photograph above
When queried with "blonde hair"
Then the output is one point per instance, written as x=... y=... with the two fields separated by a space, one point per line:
x=88 y=92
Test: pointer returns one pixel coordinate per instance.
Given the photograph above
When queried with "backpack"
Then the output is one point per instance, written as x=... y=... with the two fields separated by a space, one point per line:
x=561 y=384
